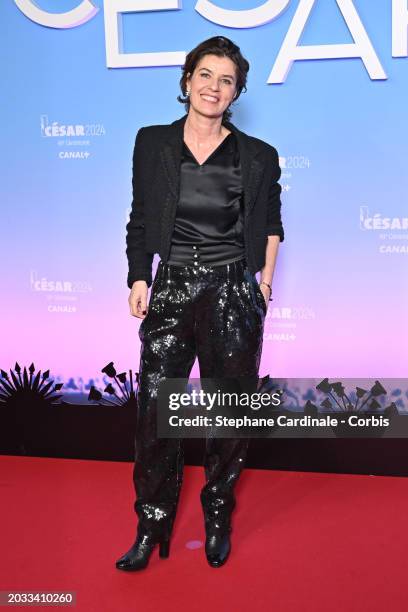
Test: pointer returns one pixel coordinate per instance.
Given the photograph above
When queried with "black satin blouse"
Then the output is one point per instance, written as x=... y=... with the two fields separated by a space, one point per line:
x=209 y=215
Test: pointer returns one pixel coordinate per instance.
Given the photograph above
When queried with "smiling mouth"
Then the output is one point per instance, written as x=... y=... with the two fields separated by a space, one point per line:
x=209 y=98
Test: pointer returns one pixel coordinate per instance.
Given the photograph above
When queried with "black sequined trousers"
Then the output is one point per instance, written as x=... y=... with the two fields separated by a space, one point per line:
x=214 y=313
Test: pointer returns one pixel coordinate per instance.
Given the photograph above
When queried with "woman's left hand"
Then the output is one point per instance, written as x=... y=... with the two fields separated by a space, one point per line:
x=266 y=293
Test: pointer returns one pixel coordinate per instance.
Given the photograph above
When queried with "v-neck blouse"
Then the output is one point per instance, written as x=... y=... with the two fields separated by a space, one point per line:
x=209 y=216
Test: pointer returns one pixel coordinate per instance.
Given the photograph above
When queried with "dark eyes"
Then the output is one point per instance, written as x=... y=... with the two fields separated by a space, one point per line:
x=205 y=74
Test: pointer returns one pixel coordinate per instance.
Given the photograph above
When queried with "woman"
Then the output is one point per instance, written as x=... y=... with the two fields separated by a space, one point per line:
x=206 y=198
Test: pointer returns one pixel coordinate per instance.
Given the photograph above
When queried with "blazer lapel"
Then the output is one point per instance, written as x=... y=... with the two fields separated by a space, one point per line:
x=252 y=166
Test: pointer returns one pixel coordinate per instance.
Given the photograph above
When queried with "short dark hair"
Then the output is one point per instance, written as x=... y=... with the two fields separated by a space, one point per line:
x=223 y=47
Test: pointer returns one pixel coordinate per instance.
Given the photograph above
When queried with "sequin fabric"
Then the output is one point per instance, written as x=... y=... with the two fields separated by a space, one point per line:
x=214 y=313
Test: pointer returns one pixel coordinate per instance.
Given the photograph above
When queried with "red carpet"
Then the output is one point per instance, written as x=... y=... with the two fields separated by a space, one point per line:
x=301 y=541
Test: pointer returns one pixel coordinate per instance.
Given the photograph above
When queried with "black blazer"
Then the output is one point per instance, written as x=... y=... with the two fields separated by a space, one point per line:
x=156 y=177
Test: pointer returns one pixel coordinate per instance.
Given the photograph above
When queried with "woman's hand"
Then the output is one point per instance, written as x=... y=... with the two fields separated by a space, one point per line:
x=266 y=292
x=138 y=299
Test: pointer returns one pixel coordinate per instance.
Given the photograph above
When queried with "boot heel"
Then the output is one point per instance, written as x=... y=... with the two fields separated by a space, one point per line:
x=164 y=550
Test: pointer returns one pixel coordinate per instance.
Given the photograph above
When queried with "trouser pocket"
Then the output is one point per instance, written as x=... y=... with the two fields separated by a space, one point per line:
x=258 y=295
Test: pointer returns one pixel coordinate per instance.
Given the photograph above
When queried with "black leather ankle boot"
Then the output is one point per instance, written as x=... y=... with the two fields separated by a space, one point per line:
x=217 y=547
x=217 y=531
x=137 y=557
x=217 y=520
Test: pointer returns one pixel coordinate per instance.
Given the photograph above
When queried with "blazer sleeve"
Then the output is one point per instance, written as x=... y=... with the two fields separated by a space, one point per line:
x=274 y=221
x=139 y=261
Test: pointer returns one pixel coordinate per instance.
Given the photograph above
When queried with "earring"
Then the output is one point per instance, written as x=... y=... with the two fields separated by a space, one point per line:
x=187 y=92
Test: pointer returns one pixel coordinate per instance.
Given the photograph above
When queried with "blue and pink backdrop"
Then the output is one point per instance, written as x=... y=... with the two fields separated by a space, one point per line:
x=327 y=87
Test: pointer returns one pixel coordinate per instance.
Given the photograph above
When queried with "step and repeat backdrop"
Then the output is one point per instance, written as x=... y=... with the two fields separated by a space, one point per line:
x=327 y=87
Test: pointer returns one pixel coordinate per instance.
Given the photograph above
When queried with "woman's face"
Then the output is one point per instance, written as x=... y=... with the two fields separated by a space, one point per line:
x=212 y=85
